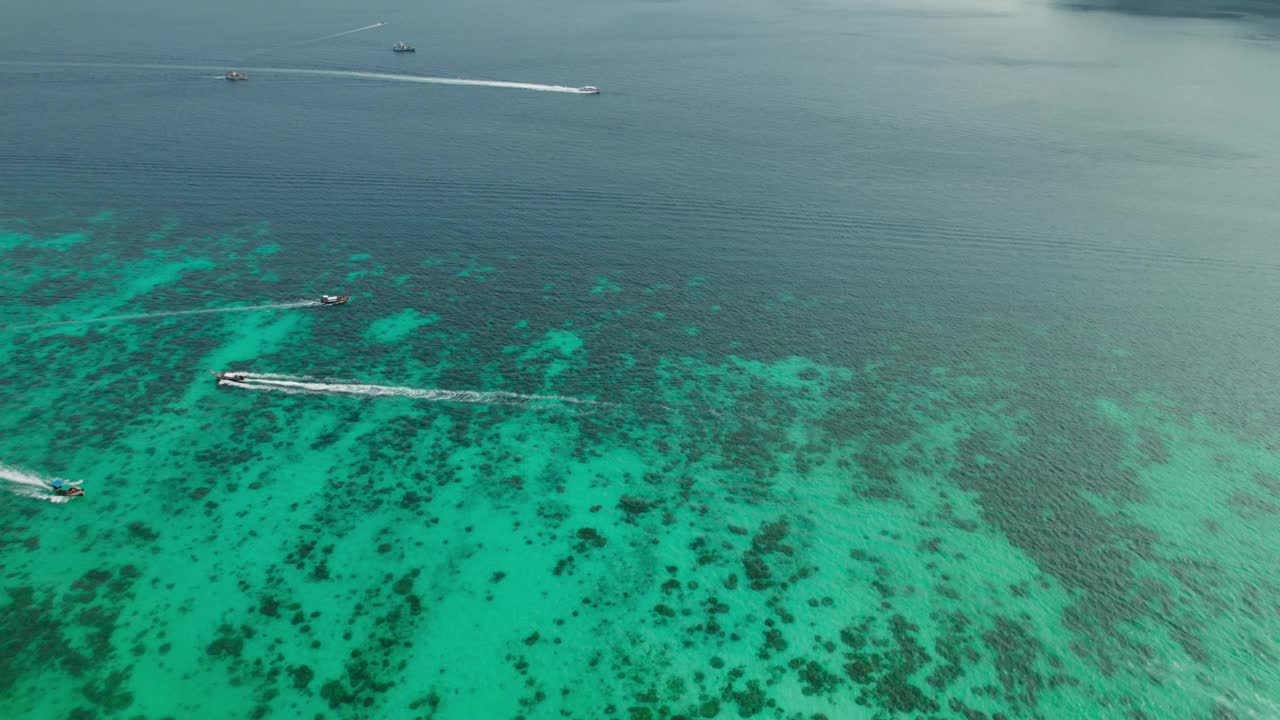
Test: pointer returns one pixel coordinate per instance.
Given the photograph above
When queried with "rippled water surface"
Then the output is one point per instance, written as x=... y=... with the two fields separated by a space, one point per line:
x=843 y=360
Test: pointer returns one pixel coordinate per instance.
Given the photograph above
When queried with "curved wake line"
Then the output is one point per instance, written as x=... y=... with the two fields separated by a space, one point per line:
x=25 y=484
x=355 y=74
x=290 y=385
x=171 y=313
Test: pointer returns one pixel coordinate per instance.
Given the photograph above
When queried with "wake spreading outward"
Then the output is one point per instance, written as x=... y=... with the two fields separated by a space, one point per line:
x=352 y=74
x=430 y=80
x=24 y=484
x=303 y=385
x=313 y=40
x=171 y=313
x=347 y=32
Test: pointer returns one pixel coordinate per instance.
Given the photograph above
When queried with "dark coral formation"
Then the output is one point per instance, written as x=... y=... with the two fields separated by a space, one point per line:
x=742 y=532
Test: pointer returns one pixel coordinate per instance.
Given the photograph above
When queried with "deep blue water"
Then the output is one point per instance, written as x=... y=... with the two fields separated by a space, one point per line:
x=1080 y=204
x=965 y=159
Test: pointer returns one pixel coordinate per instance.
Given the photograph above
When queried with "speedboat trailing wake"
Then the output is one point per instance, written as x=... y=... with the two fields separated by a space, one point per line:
x=352 y=74
x=25 y=484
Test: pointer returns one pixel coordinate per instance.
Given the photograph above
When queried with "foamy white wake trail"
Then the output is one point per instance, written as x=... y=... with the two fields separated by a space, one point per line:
x=22 y=483
x=302 y=385
x=172 y=313
x=353 y=74
x=276 y=376
x=427 y=79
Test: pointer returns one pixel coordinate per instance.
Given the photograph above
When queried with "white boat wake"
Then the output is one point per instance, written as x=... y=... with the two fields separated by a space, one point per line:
x=293 y=385
x=170 y=313
x=312 y=40
x=427 y=79
x=24 y=484
x=345 y=32
x=353 y=74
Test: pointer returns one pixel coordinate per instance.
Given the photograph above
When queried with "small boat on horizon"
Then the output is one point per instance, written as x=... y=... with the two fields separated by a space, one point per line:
x=401 y=47
x=233 y=75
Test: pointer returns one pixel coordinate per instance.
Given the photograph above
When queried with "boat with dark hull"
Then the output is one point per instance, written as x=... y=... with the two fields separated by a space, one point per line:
x=401 y=47
x=233 y=75
x=228 y=376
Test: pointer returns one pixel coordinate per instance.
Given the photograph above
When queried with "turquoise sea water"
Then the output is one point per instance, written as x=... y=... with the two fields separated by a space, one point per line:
x=838 y=360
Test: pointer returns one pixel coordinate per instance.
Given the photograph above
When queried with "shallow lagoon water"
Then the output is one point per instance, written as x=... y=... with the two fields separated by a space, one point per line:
x=729 y=536
x=950 y=406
